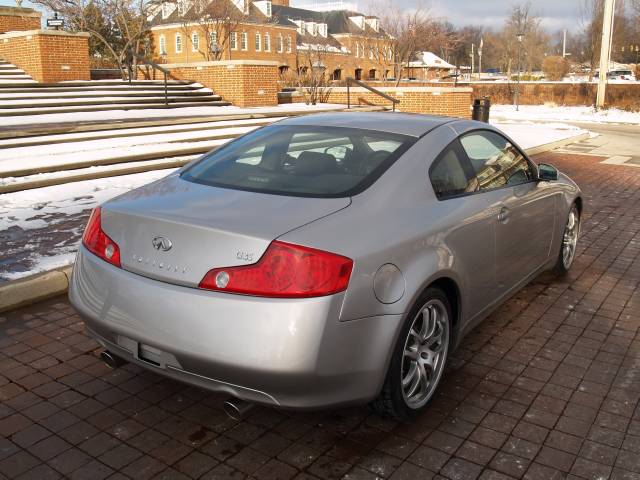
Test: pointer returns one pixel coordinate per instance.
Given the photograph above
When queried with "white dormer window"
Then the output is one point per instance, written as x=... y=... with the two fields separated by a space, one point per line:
x=181 y=7
x=311 y=28
x=265 y=7
x=242 y=5
x=374 y=23
x=359 y=20
x=167 y=9
x=323 y=30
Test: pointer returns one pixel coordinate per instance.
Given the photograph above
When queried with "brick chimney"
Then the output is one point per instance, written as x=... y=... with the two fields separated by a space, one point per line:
x=281 y=2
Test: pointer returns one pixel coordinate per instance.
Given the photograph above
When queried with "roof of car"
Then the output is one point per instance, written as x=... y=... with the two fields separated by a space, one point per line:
x=411 y=124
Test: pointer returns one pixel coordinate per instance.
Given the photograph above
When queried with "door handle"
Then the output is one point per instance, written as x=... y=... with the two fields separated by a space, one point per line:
x=503 y=216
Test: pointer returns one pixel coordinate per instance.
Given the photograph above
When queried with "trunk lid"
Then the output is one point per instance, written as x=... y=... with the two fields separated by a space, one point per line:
x=176 y=231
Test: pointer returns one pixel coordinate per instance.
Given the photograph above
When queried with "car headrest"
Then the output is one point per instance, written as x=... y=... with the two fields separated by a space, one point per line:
x=315 y=163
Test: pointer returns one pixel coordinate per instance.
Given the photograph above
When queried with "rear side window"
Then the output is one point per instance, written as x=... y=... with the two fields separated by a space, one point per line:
x=451 y=174
x=301 y=161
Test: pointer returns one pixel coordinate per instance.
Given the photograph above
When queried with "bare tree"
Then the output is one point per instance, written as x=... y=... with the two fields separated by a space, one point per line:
x=411 y=31
x=216 y=21
x=311 y=77
x=119 y=27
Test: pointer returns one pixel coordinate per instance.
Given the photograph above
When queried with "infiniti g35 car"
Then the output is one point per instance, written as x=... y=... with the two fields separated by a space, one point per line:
x=324 y=260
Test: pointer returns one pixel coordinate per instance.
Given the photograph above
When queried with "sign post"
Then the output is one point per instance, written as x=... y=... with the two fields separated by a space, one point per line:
x=55 y=22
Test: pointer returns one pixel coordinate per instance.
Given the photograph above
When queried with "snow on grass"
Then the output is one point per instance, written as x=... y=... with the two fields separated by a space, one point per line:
x=147 y=114
x=553 y=113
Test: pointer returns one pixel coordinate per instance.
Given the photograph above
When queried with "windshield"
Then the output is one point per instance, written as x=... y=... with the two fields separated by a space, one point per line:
x=305 y=161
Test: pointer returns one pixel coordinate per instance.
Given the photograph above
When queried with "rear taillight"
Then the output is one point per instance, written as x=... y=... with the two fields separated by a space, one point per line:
x=285 y=271
x=97 y=242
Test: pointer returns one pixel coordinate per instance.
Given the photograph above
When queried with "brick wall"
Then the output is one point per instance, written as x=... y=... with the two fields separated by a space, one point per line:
x=242 y=82
x=47 y=55
x=14 y=19
x=453 y=102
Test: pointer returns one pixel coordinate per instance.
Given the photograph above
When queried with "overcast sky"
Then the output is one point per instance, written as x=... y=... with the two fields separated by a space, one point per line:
x=555 y=14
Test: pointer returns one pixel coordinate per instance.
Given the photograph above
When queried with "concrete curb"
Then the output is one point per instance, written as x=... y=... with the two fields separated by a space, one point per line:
x=26 y=291
x=35 y=288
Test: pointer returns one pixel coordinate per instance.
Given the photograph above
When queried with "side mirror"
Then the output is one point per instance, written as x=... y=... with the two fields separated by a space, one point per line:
x=547 y=173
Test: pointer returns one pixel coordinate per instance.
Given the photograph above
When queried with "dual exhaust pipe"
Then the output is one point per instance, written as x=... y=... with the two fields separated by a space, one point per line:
x=235 y=408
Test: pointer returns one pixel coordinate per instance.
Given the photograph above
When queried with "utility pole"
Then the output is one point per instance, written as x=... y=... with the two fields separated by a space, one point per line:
x=564 y=43
x=473 y=61
x=480 y=59
x=605 y=51
x=520 y=37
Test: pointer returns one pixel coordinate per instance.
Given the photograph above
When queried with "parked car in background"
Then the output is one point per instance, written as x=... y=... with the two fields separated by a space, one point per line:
x=324 y=260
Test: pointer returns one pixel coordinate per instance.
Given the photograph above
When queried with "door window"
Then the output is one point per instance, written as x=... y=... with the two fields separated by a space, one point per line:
x=451 y=175
x=497 y=163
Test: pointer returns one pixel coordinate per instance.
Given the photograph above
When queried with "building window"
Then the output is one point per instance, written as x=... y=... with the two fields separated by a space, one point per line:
x=371 y=53
x=166 y=10
x=357 y=50
x=195 y=42
x=267 y=42
x=178 y=43
x=163 y=45
x=280 y=44
x=233 y=40
x=213 y=40
x=258 y=43
x=244 y=41
x=289 y=44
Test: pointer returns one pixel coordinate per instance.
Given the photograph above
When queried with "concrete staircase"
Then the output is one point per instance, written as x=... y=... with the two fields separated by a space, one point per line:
x=20 y=95
x=10 y=74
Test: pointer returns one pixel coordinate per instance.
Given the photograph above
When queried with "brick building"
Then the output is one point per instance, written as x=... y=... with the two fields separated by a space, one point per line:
x=341 y=43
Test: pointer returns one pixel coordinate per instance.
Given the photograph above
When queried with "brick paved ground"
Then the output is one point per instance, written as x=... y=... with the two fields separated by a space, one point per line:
x=546 y=388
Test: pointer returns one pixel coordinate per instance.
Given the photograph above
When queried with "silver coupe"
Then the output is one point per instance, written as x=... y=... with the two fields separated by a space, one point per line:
x=324 y=260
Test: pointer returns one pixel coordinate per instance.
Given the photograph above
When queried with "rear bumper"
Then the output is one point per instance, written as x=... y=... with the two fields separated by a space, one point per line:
x=294 y=353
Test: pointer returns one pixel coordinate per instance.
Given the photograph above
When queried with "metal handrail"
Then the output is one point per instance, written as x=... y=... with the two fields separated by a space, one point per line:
x=351 y=80
x=164 y=72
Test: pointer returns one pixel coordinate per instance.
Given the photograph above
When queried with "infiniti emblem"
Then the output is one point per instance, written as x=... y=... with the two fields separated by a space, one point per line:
x=162 y=243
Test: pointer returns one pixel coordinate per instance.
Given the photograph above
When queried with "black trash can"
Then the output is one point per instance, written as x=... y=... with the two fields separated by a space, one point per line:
x=481 y=107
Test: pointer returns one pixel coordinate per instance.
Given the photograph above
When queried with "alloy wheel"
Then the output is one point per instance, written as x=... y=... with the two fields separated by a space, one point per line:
x=570 y=238
x=425 y=353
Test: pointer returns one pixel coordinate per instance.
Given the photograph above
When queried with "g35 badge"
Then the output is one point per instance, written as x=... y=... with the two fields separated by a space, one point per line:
x=245 y=256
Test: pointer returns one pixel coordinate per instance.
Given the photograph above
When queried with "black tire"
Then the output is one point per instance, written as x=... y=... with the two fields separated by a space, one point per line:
x=563 y=266
x=392 y=401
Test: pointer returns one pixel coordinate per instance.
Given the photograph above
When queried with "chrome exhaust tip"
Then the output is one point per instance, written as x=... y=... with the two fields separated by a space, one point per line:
x=236 y=408
x=111 y=360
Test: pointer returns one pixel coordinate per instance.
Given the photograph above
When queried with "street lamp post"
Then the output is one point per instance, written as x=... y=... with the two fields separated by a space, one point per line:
x=520 y=37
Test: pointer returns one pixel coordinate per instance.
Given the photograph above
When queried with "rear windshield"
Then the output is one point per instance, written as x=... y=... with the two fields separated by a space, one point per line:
x=304 y=161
